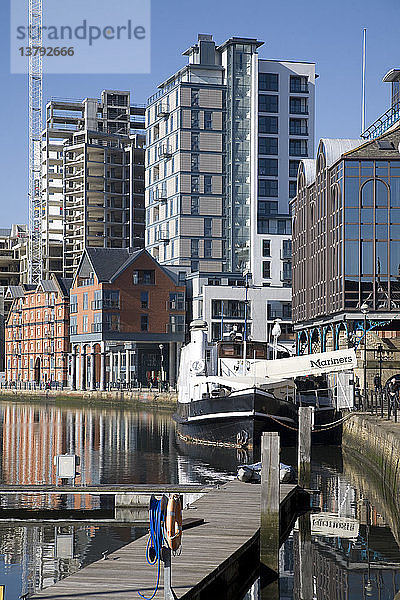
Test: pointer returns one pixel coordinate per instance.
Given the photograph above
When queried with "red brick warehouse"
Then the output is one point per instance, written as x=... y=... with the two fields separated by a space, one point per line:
x=127 y=320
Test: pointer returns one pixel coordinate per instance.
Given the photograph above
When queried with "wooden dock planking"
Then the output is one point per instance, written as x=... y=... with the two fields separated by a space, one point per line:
x=232 y=521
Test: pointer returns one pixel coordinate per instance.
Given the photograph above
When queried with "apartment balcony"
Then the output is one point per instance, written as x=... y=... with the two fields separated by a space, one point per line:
x=105 y=305
x=163 y=237
x=163 y=111
x=165 y=152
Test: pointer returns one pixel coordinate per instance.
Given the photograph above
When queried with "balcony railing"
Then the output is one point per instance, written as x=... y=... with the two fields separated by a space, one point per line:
x=105 y=304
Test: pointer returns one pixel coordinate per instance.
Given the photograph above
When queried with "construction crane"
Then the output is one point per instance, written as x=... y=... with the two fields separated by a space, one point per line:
x=35 y=263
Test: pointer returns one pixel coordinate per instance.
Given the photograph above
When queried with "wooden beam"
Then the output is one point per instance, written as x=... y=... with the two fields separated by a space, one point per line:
x=270 y=503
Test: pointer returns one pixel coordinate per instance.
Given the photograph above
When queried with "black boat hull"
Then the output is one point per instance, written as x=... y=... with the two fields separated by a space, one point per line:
x=238 y=421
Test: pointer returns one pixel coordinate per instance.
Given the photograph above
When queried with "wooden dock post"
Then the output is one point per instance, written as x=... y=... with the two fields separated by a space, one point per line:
x=270 y=502
x=306 y=414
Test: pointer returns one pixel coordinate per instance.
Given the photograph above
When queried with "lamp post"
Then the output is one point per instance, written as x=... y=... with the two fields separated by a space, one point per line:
x=161 y=346
x=247 y=276
x=365 y=310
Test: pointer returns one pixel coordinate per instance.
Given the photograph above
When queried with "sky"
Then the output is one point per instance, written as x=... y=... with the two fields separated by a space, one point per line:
x=327 y=33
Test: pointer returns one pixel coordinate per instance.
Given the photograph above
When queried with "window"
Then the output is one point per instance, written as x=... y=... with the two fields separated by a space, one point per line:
x=195 y=142
x=268 y=166
x=176 y=301
x=182 y=277
x=266 y=248
x=298 y=148
x=207 y=248
x=266 y=269
x=292 y=189
x=207 y=119
x=267 y=145
x=207 y=184
x=195 y=119
x=267 y=207
x=85 y=301
x=268 y=188
x=194 y=205
x=207 y=227
x=298 y=84
x=144 y=299
x=195 y=183
x=267 y=124
x=73 y=326
x=268 y=82
x=298 y=106
x=298 y=127
x=287 y=249
x=144 y=322
x=194 y=266
x=293 y=167
x=73 y=307
x=85 y=323
x=176 y=323
x=194 y=248
x=143 y=277
x=195 y=162
x=111 y=322
x=195 y=95
x=233 y=309
x=267 y=103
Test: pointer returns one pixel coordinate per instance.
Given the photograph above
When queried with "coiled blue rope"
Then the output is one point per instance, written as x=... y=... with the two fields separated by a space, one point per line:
x=156 y=538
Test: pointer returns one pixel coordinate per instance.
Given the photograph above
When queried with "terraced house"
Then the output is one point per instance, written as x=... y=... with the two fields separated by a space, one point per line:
x=37 y=336
x=127 y=320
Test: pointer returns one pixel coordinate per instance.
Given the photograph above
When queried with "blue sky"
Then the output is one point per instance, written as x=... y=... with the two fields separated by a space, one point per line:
x=327 y=33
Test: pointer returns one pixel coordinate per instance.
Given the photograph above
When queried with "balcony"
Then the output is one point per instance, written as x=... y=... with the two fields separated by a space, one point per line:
x=73 y=329
x=73 y=308
x=163 y=111
x=165 y=152
x=105 y=305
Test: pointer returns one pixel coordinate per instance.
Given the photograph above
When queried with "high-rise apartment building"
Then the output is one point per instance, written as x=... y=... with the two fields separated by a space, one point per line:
x=92 y=178
x=224 y=138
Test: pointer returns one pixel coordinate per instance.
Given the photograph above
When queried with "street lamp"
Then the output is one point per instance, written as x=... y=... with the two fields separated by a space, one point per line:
x=161 y=346
x=365 y=310
x=247 y=278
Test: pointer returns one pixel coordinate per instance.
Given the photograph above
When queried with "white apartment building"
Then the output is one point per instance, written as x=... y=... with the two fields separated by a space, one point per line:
x=224 y=138
x=92 y=178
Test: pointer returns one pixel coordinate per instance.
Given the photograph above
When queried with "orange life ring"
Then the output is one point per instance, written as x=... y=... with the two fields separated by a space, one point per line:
x=173 y=523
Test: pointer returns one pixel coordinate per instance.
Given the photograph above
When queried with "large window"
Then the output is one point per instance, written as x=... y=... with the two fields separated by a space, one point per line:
x=176 y=323
x=266 y=248
x=298 y=106
x=144 y=277
x=292 y=189
x=268 y=188
x=194 y=205
x=176 y=301
x=268 y=82
x=207 y=248
x=268 y=103
x=207 y=119
x=267 y=207
x=144 y=322
x=267 y=145
x=267 y=124
x=268 y=166
x=207 y=184
x=298 y=148
x=298 y=127
x=208 y=227
x=298 y=84
x=293 y=167
x=232 y=309
x=194 y=248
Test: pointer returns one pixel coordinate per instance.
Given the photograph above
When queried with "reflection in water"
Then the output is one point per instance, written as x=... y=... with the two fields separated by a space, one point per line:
x=126 y=446
x=348 y=562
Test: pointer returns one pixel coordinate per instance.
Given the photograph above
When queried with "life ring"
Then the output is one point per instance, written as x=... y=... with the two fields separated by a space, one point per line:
x=173 y=523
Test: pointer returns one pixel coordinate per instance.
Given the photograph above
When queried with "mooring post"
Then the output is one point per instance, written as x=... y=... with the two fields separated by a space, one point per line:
x=270 y=501
x=306 y=414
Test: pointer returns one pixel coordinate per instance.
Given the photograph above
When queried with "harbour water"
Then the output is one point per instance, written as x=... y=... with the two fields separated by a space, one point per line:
x=355 y=552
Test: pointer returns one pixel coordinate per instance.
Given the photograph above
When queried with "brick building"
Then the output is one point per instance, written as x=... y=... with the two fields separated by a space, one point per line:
x=37 y=336
x=127 y=320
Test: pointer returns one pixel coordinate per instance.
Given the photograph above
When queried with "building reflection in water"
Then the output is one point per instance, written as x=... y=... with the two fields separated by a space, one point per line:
x=115 y=446
x=348 y=566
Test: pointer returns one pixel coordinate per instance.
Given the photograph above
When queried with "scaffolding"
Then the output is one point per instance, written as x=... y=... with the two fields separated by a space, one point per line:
x=35 y=131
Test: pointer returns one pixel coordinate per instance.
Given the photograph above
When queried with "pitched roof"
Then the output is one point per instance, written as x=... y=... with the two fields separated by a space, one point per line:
x=107 y=262
x=65 y=284
x=48 y=285
x=334 y=148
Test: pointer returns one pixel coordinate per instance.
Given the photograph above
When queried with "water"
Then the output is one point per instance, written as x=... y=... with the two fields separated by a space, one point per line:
x=128 y=446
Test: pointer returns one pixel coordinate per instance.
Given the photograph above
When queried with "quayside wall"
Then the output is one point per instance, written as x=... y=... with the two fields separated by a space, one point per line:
x=371 y=446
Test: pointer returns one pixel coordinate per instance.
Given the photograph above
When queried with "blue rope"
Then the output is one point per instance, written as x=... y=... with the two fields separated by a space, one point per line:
x=156 y=539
